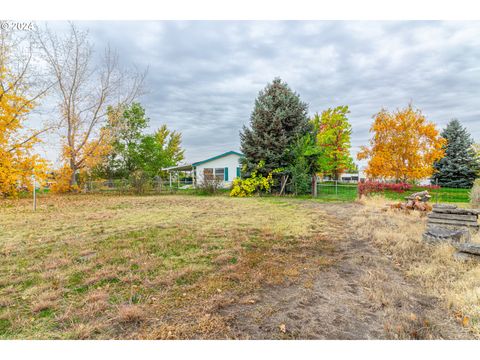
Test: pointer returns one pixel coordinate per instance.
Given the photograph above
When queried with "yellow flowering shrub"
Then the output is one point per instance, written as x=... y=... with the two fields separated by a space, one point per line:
x=253 y=184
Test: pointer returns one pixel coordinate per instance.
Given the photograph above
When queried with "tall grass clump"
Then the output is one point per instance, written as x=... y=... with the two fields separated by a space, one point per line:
x=475 y=194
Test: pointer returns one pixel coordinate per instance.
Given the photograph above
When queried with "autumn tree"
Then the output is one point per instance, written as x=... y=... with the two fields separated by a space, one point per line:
x=333 y=137
x=20 y=88
x=404 y=146
x=85 y=89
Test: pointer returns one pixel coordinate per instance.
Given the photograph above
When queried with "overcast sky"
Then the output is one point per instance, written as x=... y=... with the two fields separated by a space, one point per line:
x=204 y=76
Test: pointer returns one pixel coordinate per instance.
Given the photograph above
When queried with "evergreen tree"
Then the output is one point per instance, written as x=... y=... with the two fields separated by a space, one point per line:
x=278 y=118
x=460 y=166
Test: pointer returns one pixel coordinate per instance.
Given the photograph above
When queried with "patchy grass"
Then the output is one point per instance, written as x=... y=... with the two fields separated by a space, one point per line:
x=432 y=267
x=86 y=266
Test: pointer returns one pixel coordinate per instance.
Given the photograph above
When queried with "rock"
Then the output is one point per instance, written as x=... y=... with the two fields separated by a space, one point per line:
x=470 y=248
x=463 y=257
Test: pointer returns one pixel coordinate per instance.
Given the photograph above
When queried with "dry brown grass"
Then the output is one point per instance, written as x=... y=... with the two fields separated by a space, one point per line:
x=399 y=236
x=145 y=266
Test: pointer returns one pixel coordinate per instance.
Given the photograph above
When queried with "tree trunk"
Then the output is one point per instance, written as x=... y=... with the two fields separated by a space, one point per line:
x=73 y=177
x=314 y=185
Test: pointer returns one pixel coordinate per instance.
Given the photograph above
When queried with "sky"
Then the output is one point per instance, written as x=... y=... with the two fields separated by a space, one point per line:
x=203 y=76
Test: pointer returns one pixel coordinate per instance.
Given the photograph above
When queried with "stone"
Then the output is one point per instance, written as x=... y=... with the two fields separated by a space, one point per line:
x=470 y=248
x=464 y=257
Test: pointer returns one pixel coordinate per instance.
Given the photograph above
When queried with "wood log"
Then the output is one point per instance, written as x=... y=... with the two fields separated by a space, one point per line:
x=422 y=195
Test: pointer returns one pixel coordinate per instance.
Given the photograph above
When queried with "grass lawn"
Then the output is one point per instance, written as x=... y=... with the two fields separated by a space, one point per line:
x=146 y=267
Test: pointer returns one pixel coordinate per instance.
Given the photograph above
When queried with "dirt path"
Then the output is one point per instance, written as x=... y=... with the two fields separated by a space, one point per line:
x=361 y=296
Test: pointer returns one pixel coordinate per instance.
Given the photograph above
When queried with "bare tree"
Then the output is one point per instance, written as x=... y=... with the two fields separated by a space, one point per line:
x=85 y=90
x=20 y=76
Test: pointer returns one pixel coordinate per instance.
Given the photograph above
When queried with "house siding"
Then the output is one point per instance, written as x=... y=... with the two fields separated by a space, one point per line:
x=229 y=162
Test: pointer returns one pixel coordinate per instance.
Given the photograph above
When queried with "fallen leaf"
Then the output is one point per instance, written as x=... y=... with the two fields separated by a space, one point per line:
x=283 y=328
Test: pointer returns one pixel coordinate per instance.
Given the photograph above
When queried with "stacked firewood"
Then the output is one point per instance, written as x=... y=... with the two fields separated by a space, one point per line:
x=417 y=201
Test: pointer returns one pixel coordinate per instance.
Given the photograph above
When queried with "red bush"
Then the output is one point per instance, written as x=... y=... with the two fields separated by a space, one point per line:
x=370 y=187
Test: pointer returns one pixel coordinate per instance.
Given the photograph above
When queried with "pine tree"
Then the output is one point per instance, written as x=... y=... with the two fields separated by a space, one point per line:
x=278 y=118
x=460 y=166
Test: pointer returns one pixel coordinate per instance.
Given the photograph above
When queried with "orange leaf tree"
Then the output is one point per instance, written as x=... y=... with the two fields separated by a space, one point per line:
x=18 y=162
x=403 y=147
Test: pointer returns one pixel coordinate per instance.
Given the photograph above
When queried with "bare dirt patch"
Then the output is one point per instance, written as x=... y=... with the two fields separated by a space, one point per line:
x=362 y=295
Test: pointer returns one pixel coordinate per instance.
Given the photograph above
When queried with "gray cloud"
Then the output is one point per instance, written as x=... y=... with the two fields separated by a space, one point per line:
x=204 y=75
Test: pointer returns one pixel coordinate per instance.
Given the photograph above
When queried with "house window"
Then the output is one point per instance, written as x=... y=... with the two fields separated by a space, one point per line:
x=220 y=173
x=208 y=174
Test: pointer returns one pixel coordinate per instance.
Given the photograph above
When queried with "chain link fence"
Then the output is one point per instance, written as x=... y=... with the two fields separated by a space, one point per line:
x=348 y=191
x=137 y=185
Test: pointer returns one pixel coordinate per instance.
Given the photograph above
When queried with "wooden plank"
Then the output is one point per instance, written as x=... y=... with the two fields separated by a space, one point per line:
x=470 y=248
x=456 y=211
x=453 y=222
x=444 y=206
x=466 y=217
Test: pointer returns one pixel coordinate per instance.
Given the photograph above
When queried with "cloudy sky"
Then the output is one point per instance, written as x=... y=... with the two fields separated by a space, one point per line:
x=204 y=76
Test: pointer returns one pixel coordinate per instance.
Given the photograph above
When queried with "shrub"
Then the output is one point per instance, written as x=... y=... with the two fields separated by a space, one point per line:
x=209 y=186
x=371 y=187
x=475 y=194
x=253 y=184
x=139 y=181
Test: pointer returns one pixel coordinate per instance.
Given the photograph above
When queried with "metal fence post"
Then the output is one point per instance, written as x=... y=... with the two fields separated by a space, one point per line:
x=34 y=193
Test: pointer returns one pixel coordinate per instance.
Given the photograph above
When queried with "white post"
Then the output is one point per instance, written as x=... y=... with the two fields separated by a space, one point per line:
x=34 y=193
x=170 y=173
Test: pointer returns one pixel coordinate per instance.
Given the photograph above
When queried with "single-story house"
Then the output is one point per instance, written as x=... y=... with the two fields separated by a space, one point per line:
x=223 y=168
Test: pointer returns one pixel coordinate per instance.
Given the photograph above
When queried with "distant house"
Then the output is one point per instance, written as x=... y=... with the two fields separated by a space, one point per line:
x=222 y=168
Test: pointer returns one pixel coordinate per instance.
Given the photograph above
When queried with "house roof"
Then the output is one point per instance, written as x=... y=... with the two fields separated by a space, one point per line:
x=184 y=167
x=217 y=157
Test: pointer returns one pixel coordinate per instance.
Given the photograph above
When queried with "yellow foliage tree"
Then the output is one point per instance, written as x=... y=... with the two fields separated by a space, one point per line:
x=17 y=160
x=404 y=146
x=91 y=155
